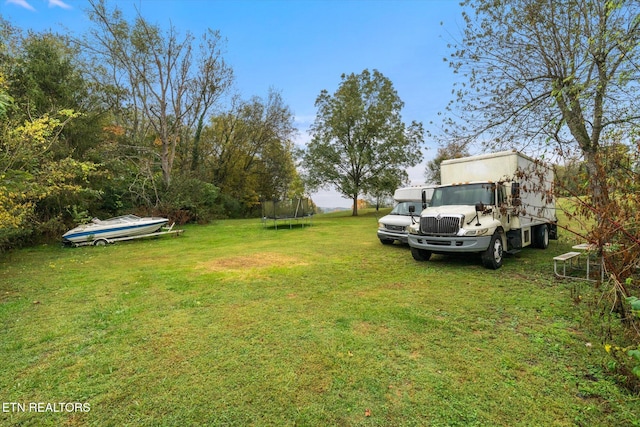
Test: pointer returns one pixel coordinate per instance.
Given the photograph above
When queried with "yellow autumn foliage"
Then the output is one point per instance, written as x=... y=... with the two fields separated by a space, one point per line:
x=29 y=173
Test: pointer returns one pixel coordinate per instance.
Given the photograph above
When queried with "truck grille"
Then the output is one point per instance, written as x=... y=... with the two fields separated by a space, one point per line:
x=440 y=225
x=394 y=227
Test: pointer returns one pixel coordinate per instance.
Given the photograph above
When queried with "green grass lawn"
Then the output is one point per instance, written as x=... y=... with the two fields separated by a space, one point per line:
x=236 y=324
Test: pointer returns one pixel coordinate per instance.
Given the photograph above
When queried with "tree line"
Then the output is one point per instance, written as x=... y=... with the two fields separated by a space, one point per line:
x=132 y=117
x=129 y=118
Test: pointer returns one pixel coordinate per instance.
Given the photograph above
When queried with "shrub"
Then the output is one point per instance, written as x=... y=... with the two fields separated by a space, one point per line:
x=190 y=199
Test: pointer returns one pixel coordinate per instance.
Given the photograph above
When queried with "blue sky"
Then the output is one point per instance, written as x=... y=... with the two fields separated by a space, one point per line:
x=299 y=47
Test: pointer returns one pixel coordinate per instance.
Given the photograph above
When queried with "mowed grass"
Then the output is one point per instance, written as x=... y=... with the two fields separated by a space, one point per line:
x=236 y=324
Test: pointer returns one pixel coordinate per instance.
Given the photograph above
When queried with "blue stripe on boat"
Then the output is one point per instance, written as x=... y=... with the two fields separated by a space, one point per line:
x=108 y=230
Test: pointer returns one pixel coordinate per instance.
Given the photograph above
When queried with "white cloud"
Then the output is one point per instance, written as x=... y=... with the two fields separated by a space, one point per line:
x=21 y=3
x=58 y=3
x=26 y=5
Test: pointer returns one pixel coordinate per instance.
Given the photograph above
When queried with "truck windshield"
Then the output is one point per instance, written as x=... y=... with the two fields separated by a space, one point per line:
x=402 y=208
x=464 y=194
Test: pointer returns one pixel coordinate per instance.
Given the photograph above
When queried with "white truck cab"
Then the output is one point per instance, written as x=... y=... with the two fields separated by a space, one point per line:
x=408 y=203
x=488 y=204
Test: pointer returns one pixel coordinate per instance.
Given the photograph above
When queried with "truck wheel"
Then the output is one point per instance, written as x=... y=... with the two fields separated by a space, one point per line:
x=420 y=254
x=386 y=241
x=492 y=257
x=99 y=242
x=541 y=236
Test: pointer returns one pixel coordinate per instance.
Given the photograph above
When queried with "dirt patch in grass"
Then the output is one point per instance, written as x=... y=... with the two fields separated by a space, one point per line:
x=259 y=260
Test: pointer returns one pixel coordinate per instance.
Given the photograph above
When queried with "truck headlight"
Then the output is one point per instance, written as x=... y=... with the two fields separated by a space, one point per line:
x=476 y=232
x=413 y=229
x=380 y=225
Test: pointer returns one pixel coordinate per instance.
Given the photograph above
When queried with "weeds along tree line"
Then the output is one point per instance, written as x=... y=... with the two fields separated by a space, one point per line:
x=610 y=222
x=129 y=118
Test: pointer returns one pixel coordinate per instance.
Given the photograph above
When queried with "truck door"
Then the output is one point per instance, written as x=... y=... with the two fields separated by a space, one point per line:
x=505 y=211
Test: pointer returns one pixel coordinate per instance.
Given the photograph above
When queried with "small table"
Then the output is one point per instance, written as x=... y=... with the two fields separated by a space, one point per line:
x=592 y=261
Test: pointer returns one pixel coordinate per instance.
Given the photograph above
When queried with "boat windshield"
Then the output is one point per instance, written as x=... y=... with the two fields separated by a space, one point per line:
x=402 y=208
x=120 y=219
x=466 y=194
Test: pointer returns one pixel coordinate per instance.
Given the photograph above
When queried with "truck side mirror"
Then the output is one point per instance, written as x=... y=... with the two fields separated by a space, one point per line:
x=412 y=211
x=424 y=199
x=480 y=208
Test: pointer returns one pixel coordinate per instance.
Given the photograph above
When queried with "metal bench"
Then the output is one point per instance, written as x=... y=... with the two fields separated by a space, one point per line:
x=570 y=258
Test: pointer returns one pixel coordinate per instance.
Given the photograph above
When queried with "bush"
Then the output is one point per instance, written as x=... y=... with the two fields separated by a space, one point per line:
x=190 y=200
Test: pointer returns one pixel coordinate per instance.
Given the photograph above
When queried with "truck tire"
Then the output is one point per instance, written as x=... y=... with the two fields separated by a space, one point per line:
x=420 y=254
x=386 y=241
x=541 y=236
x=493 y=256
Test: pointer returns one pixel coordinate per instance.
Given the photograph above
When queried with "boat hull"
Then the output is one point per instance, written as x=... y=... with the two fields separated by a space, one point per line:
x=114 y=228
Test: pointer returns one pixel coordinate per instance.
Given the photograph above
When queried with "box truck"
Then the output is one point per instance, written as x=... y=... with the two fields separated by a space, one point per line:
x=489 y=204
x=408 y=201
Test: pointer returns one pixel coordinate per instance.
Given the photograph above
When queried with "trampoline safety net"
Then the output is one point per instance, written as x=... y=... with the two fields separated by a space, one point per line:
x=298 y=210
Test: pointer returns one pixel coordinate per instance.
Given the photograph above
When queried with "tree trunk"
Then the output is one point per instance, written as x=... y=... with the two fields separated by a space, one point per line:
x=599 y=192
x=355 y=205
x=166 y=166
x=195 y=151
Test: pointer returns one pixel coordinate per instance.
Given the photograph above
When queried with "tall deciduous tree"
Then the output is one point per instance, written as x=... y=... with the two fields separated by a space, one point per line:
x=359 y=135
x=248 y=151
x=158 y=78
x=46 y=77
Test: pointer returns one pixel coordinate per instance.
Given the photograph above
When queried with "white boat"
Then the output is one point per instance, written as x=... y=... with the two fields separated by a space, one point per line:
x=103 y=231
